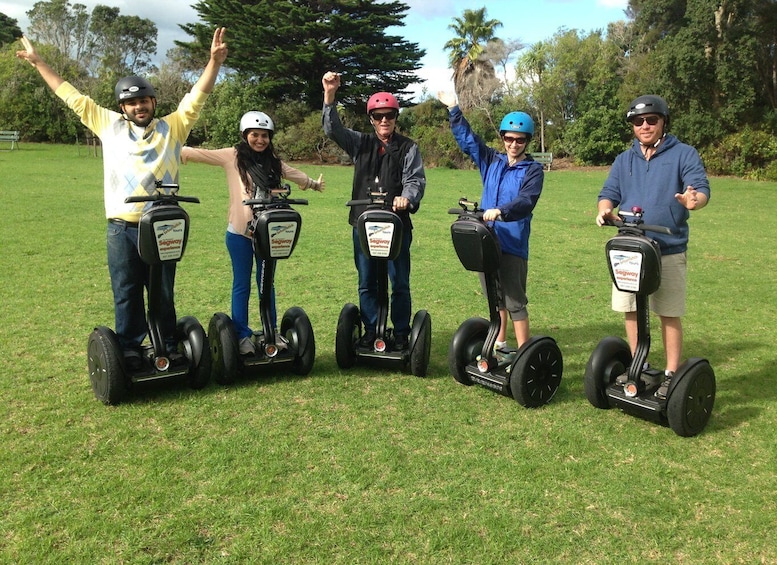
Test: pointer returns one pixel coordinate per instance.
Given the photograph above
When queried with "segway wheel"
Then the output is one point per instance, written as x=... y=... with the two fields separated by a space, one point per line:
x=536 y=374
x=466 y=345
x=691 y=397
x=611 y=358
x=348 y=330
x=422 y=345
x=223 y=349
x=193 y=343
x=296 y=328
x=106 y=369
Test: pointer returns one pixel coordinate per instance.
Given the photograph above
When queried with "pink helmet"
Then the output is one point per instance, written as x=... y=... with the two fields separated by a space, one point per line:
x=382 y=100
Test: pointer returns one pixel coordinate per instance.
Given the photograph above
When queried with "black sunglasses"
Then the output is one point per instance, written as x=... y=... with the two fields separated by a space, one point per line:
x=378 y=116
x=651 y=120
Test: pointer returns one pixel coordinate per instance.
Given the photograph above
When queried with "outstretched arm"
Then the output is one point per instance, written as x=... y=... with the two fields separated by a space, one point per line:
x=31 y=56
x=218 y=54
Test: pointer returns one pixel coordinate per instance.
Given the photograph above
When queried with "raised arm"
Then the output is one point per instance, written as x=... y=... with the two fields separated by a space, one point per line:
x=218 y=54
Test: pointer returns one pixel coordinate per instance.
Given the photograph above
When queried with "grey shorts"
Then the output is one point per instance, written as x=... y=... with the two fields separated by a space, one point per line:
x=511 y=292
x=669 y=299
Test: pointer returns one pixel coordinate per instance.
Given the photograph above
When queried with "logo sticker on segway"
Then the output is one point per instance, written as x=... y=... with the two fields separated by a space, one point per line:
x=379 y=238
x=169 y=239
x=282 y=235
x=626 y=269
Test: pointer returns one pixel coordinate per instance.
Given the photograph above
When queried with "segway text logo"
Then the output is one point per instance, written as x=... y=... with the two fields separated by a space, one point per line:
x=282 y=237
x=169 y=239
x=626 y=269
x=380 y=235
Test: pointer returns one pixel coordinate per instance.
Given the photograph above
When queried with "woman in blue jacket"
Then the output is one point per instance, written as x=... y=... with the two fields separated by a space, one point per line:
x=512 y=183
x=665 y=178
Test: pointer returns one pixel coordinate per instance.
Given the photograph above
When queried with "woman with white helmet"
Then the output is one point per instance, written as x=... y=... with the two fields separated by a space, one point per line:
x=512 y=183
x=251 y=165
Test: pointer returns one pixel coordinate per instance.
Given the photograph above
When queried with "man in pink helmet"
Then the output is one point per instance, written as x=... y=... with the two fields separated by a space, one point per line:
x=394 y=161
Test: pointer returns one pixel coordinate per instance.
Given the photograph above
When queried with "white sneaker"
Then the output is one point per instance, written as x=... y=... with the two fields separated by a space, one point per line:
x=246 y=346
x=663 y=389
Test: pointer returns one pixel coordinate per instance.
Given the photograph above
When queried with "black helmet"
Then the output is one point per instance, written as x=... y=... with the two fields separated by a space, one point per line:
x=648 y=104
x=133 y=87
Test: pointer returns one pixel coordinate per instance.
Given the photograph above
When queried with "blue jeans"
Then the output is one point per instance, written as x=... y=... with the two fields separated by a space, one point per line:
x=399 y=275
x=129 y=278
x=241 y=252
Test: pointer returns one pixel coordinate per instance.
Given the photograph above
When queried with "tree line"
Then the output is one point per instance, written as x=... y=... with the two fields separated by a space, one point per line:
x=714 y=61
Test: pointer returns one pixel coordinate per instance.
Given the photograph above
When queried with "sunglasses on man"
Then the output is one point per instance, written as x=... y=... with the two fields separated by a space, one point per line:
x=651 y=120
x=379 y=116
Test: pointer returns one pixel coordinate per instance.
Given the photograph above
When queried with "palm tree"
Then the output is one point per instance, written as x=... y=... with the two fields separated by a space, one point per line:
x=470 y=68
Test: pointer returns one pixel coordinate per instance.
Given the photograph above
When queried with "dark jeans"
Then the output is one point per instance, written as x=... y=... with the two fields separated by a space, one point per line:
x=399 y=276
x=129 y=278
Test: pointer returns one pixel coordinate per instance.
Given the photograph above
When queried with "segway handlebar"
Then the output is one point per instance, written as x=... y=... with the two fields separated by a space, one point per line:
x=469 y=209
x=278 y=197
x=163 y=196
x=633 y=221
x=377 y=199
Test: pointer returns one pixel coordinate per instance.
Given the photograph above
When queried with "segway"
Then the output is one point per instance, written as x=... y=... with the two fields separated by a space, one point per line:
x=531 y=374
x=634 y=261
x=275 y=230
x=381 y=233
x=163 y=231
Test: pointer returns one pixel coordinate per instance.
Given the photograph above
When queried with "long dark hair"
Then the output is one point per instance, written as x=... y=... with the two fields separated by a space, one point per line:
x=262 y=169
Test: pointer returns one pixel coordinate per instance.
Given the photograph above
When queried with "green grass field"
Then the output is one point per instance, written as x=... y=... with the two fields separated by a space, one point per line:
x=368 y=465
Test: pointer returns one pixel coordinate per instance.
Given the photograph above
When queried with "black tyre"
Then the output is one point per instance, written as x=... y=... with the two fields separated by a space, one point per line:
x=348 y=331
x=296 y=328
x=106 y=367
x=691 y=397
x=611 y=358
x=223 y=349
x=193 y=343
x=466 y=345
x=536 y=373
x=422 y=347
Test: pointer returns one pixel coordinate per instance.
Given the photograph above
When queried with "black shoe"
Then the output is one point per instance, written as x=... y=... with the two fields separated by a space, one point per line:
x=367 y=340
x=133 y=360
x=400 y=342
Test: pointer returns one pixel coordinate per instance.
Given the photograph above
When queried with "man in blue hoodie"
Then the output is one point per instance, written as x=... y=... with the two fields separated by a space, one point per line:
x=666 y=178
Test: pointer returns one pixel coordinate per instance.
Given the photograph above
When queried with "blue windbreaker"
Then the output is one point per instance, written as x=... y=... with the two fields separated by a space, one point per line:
x=513 y=190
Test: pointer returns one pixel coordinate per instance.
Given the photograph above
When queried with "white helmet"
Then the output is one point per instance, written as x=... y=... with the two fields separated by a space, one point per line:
x=256 y=120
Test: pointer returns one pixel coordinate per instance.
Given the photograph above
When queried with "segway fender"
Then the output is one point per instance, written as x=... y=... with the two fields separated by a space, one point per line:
x=191 y=331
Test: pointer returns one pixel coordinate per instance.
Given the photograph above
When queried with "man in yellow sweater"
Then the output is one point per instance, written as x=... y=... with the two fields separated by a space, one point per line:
x=138 y=150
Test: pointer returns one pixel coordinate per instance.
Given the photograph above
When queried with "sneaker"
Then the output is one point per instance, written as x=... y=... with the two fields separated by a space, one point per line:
x=368 y=339
x=663 y=388
x=246 y=346
x=400 y=342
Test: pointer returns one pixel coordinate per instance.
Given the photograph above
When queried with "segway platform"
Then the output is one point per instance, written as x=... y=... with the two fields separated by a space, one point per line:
x=381 y=234
x=634 y=262
x=276 y=228
x=532 y=374
x=163 y=232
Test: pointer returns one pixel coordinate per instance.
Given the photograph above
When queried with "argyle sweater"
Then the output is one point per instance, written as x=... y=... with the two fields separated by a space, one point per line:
x=134 y=157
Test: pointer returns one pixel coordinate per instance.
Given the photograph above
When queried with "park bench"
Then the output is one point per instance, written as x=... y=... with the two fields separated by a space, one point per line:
x=545 y=159
x=12 y=136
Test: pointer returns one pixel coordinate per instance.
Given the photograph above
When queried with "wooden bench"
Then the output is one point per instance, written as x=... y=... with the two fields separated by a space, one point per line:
x=546 y=159
x=12 y=136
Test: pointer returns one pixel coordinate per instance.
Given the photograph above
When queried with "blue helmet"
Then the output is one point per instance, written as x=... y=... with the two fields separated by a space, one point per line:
x=518 y=122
